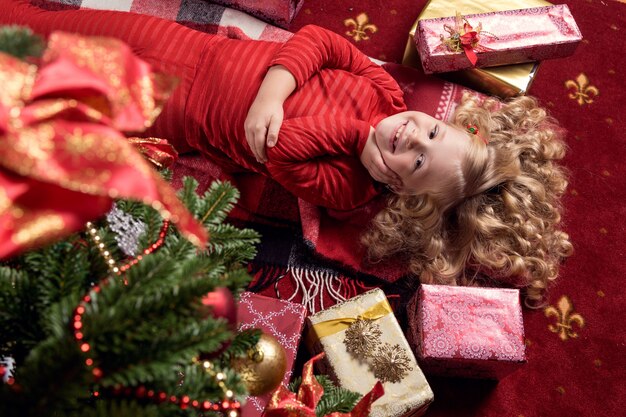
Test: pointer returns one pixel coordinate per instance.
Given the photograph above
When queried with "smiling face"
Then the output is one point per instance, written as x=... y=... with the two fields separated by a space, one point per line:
x=424 y=152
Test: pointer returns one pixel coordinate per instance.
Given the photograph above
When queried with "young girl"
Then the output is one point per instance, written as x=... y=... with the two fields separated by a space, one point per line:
x=478 y=195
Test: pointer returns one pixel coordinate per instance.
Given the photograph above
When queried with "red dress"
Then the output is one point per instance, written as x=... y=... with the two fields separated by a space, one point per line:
x=340 y=93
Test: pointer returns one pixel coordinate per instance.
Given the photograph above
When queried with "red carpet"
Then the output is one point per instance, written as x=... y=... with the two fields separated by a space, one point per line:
x=581 y=369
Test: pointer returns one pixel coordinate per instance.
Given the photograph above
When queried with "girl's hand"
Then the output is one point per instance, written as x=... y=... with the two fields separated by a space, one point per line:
x=372 y=160
x=262 y=126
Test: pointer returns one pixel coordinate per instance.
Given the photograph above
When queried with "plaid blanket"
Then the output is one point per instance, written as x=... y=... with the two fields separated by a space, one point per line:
x=307 y=254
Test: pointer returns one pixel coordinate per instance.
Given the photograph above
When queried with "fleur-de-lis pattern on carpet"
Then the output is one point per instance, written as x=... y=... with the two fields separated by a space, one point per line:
x=360 y=27
x=583 y=92
x=566 y=318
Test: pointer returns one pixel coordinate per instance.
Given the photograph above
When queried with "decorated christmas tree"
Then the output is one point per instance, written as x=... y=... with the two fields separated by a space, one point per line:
x=89 y=334
x=127 y=315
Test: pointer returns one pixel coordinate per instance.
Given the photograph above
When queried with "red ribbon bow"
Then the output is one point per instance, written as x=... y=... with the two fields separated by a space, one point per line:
x=285 y=403
x=63 y=159
x=464 y=37
x=469 y=40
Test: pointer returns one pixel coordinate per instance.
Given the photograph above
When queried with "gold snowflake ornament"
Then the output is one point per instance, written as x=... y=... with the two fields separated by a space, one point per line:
x=362 y=337
x=390 y=363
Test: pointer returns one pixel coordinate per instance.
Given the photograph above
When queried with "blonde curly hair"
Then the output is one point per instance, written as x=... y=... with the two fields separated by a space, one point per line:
x=500 y=219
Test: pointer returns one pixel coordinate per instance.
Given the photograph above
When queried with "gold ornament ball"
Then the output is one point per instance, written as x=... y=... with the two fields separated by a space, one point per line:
x=263 y=369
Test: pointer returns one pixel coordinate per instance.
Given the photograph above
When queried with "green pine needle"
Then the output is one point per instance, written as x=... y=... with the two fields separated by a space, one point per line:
x=218 y=202
x=20 y=42
x=243 y=342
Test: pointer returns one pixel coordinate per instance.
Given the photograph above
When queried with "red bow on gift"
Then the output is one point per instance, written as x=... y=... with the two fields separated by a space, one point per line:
x=469 y=40
x=63 y=159
x=464 y=37
x=285 y=403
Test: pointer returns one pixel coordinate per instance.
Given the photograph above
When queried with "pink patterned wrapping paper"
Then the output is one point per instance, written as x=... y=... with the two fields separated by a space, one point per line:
x=278 y=12
x=523 y=35
x=467 y=331
x=283 y=320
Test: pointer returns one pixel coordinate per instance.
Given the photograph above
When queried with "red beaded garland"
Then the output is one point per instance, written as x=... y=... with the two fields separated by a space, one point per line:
x=140 y=392
x=97 y=373
x=80 y=309
x=148 y=250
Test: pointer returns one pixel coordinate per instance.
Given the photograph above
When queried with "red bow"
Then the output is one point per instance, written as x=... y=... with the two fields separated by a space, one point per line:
x=285 y=403
x=464 y=37
x=469 y=40
x=63 y=158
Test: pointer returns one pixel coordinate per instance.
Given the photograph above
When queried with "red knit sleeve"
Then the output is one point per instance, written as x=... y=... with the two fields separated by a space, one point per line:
x=317 y=159
x=313 y=48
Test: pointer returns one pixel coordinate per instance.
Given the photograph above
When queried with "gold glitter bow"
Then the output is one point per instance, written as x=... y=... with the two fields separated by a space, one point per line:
x=63 y=158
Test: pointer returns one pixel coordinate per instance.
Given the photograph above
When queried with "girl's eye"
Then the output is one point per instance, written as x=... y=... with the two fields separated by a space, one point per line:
x=419 y=162
x=433 y=133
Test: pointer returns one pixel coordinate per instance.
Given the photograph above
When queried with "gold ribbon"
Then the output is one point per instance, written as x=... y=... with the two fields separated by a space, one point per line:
x=332 y=326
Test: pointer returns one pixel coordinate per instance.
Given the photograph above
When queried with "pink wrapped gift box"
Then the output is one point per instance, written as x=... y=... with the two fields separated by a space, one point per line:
x=283 y=320
x=278 y=12
x=467 y=331
x=514 y=36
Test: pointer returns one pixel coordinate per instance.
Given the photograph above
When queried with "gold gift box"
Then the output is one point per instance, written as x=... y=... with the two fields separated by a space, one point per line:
x=505 y=81
x=364 y=343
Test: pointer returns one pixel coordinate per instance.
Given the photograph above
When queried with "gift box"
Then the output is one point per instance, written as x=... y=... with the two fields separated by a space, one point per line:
x=467 y=331
x=504 y=81
x=363 y=344
x=507 y=37
x=277 y=12
x=283 y=320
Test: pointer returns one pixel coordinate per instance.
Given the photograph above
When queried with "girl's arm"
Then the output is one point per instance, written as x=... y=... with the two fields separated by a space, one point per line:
x=316 y=159
x=313 y=48
x=266 y=113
